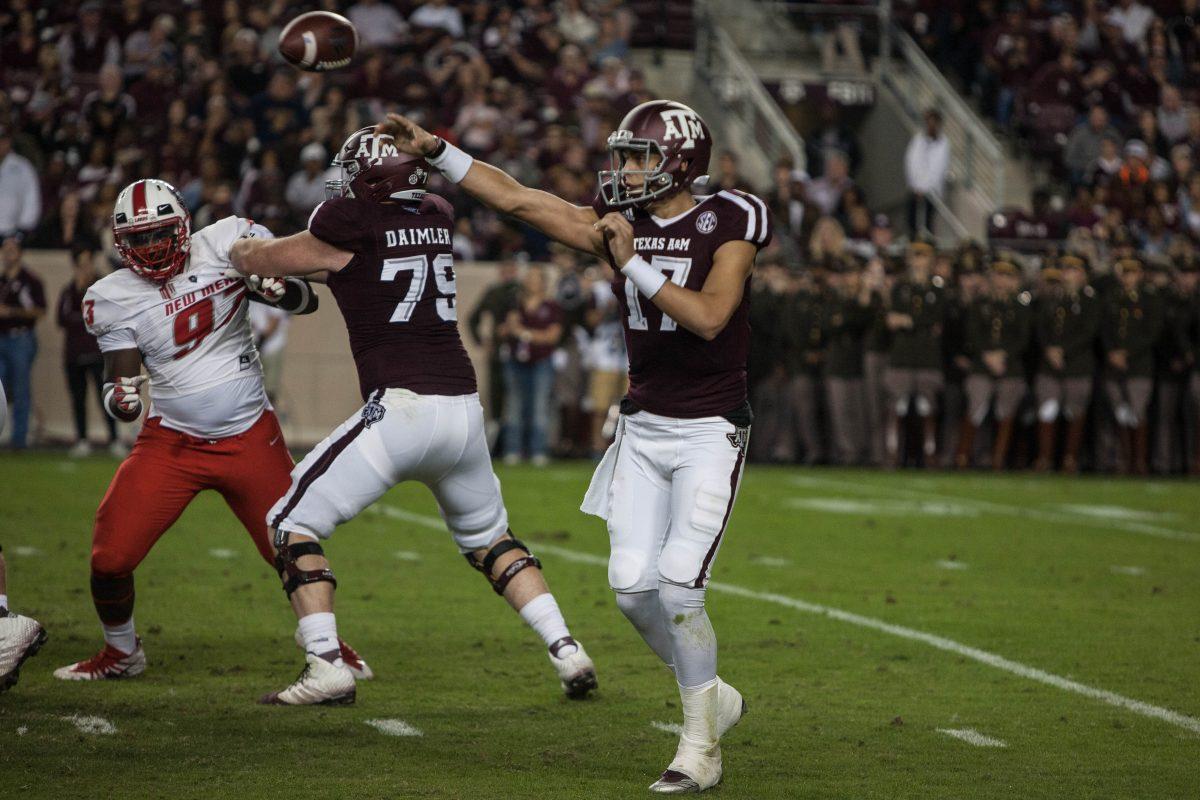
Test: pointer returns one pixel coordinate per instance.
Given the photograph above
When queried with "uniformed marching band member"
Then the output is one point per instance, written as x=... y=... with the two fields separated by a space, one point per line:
x=999 y=330
x=1068 y=319
x=876 y=347
x=849 y=312
x=804 y=343
x=969 y=283
x=1189 y=332
x=1131 y=323
x=1170 y=368
x=914 y=380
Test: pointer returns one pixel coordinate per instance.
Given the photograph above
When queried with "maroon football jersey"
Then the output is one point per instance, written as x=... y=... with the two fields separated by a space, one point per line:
x=397 y=295
x=672 y=371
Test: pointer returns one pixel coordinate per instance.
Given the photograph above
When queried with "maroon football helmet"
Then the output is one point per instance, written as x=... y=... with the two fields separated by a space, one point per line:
x=373 y=169
x=663 y=128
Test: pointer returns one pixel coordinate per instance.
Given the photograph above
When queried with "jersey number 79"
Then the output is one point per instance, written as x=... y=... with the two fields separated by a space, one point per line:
x=419 y=266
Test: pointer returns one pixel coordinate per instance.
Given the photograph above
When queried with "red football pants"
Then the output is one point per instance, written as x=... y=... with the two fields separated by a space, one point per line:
x=166 y=469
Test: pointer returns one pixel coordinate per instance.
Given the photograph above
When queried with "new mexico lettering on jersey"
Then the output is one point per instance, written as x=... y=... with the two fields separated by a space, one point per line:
x=193 y=333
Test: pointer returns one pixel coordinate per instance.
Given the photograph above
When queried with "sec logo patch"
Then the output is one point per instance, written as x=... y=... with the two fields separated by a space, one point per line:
x=706 y=222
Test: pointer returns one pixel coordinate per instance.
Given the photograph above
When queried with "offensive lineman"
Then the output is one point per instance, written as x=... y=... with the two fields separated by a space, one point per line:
x=176 y=309
x=667 y=484
x=383 y=245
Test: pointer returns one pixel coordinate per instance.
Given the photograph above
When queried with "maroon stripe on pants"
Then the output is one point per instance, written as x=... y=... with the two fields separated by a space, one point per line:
x=712 y=551
x=320 y=468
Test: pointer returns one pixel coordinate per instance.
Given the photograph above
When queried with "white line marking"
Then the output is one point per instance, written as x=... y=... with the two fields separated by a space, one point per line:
x=668 y=727
x=971 y=736
x=989 y=507
x=940 y=642
x=393 y=512
x=97 y=726
x=408 y=555
x=22 y=730
x=1135 y=571
x=890 y=508
x=24 y=550
x=393 y=727
x=769 y=561
x=1114 y=512
x=221 y=552
x=946 y=563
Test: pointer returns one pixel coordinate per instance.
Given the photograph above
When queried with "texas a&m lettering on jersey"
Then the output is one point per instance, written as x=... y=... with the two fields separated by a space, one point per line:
x=398 y=294
x=672 y=371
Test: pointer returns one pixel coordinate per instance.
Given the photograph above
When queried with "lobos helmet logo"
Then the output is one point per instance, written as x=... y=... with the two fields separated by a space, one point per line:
x=706 y=222
x=682 y=123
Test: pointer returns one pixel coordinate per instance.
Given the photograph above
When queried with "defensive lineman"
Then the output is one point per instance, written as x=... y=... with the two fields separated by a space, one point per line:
x=176 y=309
x=384 y=247
x=668 y=483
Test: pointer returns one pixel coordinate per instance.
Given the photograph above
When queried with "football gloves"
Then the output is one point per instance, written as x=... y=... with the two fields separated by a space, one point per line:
x=121 y=397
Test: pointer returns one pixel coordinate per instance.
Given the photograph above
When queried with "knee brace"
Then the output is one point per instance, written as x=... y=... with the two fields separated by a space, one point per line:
x=924 y=406
x=1048 y=411
x=498 y=549
x=290 y=573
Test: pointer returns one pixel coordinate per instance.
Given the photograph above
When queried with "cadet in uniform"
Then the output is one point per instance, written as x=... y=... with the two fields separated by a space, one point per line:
x=1189 y=282
x=876 y=344
x=849 y=312
x=1068 y=318
x=1131 y=322
x=914 y=377
x=999 y=330
x=804 y=343
x=1170 y=369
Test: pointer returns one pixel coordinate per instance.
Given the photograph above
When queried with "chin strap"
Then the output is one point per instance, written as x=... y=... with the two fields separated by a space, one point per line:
x=500 y=582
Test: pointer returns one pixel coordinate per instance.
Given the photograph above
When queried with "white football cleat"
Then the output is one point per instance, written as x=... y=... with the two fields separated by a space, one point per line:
x=321 y=683
x=109 y=664
x=354 y=662
x=576 y=672
x=731 y=707
x=693 y=769
x=20 y=639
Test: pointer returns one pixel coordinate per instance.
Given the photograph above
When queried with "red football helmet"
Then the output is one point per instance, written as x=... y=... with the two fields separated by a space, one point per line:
x=373 y=169
x=671 y=131
x=152 y=229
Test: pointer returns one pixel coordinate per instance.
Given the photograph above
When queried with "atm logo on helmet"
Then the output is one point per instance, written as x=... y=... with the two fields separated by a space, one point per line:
x=376 y=148
x=682 y=123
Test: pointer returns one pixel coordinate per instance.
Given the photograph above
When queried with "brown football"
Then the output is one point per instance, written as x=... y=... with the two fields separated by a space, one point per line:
x=319 y=41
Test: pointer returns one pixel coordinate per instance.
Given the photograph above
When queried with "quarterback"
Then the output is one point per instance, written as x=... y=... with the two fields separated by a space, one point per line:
x=181 y=311
x=383 y=246
x=667 y=485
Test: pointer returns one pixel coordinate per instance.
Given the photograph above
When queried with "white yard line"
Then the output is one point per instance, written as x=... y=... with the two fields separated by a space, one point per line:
x=93 y=725
x=25 y=550
x=668 y=727
x=223 y=553
x=1060 y=516
x=408 y=555
x=971 y=736
x=1134 y=571
x=946 y=563
x=940 y=642
x=393 y=727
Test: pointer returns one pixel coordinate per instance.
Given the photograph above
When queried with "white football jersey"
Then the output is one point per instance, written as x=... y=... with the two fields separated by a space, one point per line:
x=193 y=332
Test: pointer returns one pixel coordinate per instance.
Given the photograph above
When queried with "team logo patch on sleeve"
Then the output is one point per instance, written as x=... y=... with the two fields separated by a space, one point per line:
x=372 y=412
x=706 y=222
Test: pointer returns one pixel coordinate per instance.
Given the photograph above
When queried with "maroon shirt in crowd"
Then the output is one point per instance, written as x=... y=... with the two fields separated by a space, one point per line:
x=546 y=315
x=78 y=344
x=672 y=371
x=23 y=290
x=397 y=295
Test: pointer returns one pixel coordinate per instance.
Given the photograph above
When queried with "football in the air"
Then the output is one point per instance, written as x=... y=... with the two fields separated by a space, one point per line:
x=319 y=41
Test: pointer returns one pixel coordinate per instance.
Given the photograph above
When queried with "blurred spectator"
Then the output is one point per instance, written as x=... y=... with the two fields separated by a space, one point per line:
x=82 y=360
x=826 y=191
x=306 y=188
x=1172 y=116
x=379 y=24
x=728 y=176
x=926 y=163
x=831 y=135
x=20 y=193
x=438 y=14
x=533 y=330
x=1132 y=18
x=1083 y=145
x=269 y=326
x=606 y=360
x=88 y=45
x=107 y=108
x=22 y=303
x=499 y=299
x=154 y=45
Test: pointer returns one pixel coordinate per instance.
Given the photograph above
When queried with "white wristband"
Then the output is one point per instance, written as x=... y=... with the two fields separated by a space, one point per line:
x=451 y=162
x=646 y=278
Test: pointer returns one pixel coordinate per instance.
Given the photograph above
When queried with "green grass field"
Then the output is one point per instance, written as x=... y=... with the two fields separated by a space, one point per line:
x=846 y=603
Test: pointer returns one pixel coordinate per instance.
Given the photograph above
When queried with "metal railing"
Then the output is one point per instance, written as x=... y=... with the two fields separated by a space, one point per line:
x=722 y=71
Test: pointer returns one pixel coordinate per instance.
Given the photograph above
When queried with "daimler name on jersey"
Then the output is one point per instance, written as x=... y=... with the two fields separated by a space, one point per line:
x=661 y=243
x=403 y=237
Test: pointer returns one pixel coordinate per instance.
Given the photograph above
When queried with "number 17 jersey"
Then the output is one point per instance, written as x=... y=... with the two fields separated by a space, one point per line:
x=397 y=294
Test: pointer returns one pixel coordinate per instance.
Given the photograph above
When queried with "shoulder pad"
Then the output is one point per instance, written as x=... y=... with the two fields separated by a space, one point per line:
x=114 y=300
x=339 y=221
x=751 y=221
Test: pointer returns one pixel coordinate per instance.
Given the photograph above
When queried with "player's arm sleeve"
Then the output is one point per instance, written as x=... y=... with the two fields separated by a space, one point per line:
x=110 y=322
